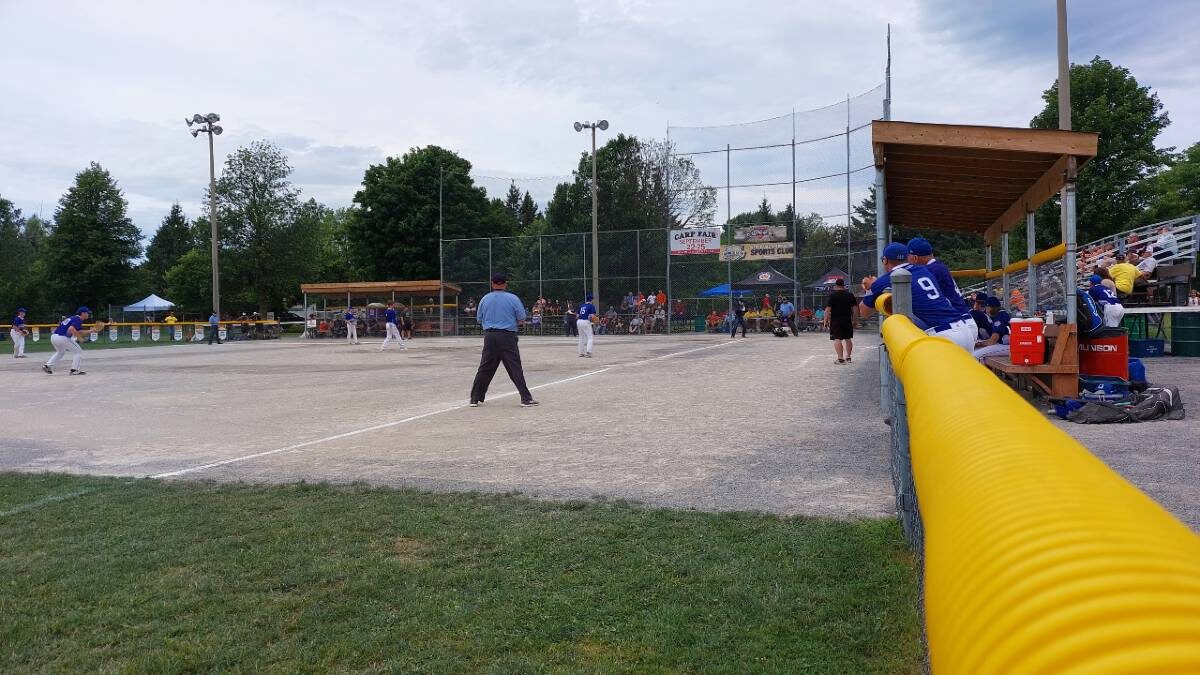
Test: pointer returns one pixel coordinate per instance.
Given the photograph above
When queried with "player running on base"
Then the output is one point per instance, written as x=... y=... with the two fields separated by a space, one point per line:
x=932 y=312
x=18 y=333
x=351 y=326
x=393 y=332
x=586 y=311
x=66 y=338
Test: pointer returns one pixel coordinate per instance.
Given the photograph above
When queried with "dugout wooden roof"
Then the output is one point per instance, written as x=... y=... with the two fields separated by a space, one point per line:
x=379 y=287
x=972 y=178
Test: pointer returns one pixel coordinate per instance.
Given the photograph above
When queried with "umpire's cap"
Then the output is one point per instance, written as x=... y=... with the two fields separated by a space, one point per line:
x=895 y=251
x=920 y=246
x=499 y=278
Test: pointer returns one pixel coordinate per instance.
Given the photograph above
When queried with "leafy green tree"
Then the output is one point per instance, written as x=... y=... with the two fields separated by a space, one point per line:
x=188 y=283
x=395 y=226
x=173 y=239
x=1112 y=192
x=269 y=238
x=13 y=261
x=88 y=257
x=1175 y=193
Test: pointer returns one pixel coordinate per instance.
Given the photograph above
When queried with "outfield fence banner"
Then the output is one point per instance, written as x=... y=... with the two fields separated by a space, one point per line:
x=135 y=333
x=696 y=241
x=178 y=333
x=155 y=333
x=112 y=333
x=766 y=251
x=92 y=337
x=37 y=334
x=760 y=233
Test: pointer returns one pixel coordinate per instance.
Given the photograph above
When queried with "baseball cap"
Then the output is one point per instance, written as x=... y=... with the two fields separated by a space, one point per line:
x=20 y=309
x=895 y=251
x=83 y=310
x=499 y=278
x=920 y=246
x=840 y=282
x=981 y=298
x=1095 y=278
x=588 y=297
x=993 y=301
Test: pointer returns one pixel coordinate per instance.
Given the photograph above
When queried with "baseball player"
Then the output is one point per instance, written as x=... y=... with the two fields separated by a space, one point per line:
x=66 y=338
x=18 y=333
x=920 y=252
x=979 y=314
x=997 y=343
x=739 y=314
x=351 y=326
x=393 y=333
x=584 y=324
x=1106 y=298
x=931 y=310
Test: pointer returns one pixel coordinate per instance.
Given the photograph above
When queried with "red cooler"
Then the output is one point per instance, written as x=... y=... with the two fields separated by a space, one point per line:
x=1106 y=353
x=1026 y=346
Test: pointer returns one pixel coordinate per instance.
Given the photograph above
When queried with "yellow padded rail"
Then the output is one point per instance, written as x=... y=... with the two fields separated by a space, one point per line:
x=1039 y=558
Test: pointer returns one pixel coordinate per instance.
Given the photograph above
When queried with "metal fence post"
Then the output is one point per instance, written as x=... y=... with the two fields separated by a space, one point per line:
x=1031 y=270
x=902 y=292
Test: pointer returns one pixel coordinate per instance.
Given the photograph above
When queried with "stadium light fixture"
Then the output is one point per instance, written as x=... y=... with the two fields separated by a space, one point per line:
x=580 y=126
x=208 y=125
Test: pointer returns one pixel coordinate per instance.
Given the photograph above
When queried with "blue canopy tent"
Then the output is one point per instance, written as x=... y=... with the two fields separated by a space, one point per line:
x=722 y=291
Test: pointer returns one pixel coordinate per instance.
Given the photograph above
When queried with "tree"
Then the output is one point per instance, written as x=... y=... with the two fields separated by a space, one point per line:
x=269 y=237
x=188 y=283
x=512 y=203
x=88 y=257
x=528 y=211
x=173 y=239
x=1175 y=192
x=1111 y=190
x=396 y=223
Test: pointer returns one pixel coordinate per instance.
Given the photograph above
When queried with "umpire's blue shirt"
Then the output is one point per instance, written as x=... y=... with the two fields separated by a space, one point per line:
x=500 y=310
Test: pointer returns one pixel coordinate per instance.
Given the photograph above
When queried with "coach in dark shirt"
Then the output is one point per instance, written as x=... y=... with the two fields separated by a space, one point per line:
x=840 y=309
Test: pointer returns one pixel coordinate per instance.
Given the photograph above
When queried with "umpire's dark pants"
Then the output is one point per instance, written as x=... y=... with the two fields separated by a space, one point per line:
x=738 y=322
x=499 y=346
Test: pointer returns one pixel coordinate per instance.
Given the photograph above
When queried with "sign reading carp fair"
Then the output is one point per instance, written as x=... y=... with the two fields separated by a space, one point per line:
x=696 y=241
x=774 y=251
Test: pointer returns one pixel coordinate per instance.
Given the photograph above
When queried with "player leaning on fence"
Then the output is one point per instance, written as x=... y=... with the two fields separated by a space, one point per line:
x=932 y=312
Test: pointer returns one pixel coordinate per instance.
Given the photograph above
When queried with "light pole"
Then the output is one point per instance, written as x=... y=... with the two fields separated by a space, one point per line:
x=208 y=125
x=580 y=126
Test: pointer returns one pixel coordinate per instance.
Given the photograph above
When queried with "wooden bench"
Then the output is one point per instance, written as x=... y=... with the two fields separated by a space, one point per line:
x=1059 y=376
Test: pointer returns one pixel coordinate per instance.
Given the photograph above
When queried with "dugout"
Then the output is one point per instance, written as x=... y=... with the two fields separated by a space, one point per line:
x=432 y=304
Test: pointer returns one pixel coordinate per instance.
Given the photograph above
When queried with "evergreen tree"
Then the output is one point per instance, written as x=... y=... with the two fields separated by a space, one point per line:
x=173 y=239
x=528 y=211
x=88 y=257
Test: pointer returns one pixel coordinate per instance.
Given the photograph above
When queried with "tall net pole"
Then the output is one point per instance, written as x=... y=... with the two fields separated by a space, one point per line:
x=729 y=223
x=795 y=236
x=849 y=220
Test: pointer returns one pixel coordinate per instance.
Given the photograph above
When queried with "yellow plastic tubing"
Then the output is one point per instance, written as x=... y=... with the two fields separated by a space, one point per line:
x=1039 y=558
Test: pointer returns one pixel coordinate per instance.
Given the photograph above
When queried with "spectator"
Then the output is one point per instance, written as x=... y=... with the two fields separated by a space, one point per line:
x=679 y=310
x=469 y=310
x=170 y=318
x=611 y=313
x=766 y=303
x=570 y=328
x=635 y=324
x=1123 y=275
x=660 y=318
x=661 y=298
x=1193 y=298
x=1167 y=244
x=617 y=325
x=651 y=299
x=1146 y=265
x=535 y=321
x=712 y=321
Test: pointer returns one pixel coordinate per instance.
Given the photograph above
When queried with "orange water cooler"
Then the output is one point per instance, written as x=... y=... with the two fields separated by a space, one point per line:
x=1027 y=343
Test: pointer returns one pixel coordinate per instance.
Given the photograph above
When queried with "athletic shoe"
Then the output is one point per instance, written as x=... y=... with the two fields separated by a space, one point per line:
x=582 y=355
x=841 y=362
x=474 y=404
x=529 y=404
x=847 y=359
x=20 y=356
x=77 y=372
x=47 y=370
x=589 y=355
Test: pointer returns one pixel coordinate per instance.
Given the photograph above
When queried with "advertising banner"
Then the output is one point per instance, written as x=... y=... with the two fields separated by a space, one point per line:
x=178 y=333
x=135 y=333
x=155 y=333
x=93 y=336
x=696 y=241
x=113 y=333
x=37 y=333
x=221 y=334
x=754 y=234
x=767 y=251
x=199 y=333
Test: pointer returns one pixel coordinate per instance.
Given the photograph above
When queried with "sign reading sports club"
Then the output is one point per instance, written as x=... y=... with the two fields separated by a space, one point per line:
x=696 y=241
x=770 y=251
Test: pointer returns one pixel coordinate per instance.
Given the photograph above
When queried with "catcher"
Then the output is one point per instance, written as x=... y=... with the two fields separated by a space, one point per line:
x=67 y=337
x=18 y=333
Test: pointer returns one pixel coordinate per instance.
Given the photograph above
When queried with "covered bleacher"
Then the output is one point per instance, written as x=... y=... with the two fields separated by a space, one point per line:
x=431 y=305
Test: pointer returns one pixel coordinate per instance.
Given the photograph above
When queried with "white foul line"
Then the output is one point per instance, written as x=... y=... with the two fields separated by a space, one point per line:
x=356 y=432
x=805 y=361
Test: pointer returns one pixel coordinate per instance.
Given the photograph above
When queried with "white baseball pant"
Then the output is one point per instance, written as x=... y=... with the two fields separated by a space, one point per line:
x=63 y=344
x=990 y=350
x=1113 y=313
x=352 y=332
x=585 y=335
x=961 y=333
x=18 y=339
x=393 y=333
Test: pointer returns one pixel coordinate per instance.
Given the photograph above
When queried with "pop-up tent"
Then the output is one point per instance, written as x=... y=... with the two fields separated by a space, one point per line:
x=827 y=281
x=721 y=291
x=767 y=277
x=150 y=303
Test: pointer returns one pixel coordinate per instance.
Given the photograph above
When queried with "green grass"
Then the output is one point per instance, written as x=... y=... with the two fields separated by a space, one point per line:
x=145 y=575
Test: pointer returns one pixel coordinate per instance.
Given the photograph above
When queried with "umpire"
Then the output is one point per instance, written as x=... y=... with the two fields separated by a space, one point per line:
x=500 y=314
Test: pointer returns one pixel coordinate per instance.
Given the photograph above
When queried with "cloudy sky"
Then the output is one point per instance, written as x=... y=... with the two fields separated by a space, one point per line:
x=342 y=85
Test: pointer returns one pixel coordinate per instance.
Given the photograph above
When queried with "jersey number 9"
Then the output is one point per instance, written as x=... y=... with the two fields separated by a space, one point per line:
x=930 y=288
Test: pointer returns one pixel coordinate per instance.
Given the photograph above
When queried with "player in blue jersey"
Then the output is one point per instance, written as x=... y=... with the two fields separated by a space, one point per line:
x=393 y=333
x=979 y=313
x=920 y=252
x=18 y=333
x=66 y=338
x=997 y=342
x=1106 y=299
x=932 y=311
x=351 y=325
x=584 y=323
